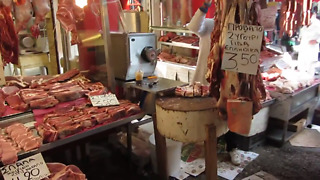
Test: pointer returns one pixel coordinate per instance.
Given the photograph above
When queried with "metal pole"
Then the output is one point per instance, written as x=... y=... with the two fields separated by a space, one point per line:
x=107 y=44
x=66 y=49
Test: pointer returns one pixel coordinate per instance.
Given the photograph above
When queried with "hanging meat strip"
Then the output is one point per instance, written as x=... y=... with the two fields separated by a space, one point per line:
x=8 y=37
x=23 y=14
x=68 y=14
x=226 y=85
x=41 y=9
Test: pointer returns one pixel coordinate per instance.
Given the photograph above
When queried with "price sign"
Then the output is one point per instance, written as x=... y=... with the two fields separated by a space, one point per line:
x=242 y=48
x=104 y=100
x=31 y=168
x=2 y=79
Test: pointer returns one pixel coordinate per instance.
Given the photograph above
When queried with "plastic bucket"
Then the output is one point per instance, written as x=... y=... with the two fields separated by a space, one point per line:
x=173 y=155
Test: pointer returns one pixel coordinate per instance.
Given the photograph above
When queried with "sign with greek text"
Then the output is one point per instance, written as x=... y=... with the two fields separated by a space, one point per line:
x=242 y=48
x=104 y=100
x=2 y=79
x=29 y=168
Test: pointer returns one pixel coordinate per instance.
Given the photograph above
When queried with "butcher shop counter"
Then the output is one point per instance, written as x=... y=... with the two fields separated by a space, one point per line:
x=289 y=109
x=29 y=122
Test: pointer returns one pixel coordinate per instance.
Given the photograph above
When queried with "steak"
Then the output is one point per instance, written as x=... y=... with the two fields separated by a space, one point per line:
x=70 y=95
x=15 y=102
x=44 y=103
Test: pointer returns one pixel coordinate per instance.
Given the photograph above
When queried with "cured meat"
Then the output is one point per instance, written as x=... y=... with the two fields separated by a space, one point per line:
x=23 y=14
x=226 y=85
x=44 y=103
x=41 y=8
x=195 y=90
x=8 y=37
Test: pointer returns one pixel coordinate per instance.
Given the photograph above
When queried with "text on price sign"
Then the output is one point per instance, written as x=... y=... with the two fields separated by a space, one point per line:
x=242 y=48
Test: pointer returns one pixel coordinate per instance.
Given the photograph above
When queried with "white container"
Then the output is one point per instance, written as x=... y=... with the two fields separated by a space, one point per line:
x=173 y=155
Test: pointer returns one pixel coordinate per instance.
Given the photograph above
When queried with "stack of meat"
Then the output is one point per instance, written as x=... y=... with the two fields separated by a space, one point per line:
x=63 y=172
x=173 y=37
x=17 y=137
x=71 y=120
x=164 y=56
x=195 y=90
x=42 y=94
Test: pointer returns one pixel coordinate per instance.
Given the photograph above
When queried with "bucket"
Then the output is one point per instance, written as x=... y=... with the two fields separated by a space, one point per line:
x=173 y=155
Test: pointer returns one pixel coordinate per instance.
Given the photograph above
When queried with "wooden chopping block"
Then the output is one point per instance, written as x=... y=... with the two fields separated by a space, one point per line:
x=239 y=116
x=185 y=119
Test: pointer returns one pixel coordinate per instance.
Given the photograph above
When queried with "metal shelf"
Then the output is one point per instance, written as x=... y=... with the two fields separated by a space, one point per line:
x=177 y=44
x=171 y=29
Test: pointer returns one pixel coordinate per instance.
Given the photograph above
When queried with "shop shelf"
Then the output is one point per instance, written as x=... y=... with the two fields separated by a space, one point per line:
x=171 y=29
x=276 y=135
x=177 y=44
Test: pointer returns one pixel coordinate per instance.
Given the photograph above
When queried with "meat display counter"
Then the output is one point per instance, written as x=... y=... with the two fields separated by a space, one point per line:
x=73 y=138
x=291 y=108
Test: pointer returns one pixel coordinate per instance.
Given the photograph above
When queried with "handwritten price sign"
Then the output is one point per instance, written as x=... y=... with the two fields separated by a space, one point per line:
x=242 y=48
x=104 y=100
x=31 y=168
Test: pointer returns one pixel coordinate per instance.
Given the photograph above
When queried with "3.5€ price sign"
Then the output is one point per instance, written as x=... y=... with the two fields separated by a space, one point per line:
x=30 y=168
x=242 y=48
x=104 y=100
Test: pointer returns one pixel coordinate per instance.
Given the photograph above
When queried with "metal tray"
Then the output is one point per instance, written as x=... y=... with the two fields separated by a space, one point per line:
x=73 y=138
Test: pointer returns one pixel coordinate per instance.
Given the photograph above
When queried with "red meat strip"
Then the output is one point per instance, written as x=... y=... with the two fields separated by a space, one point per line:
x=9 y=90
x=70 y=95
x=132 y=109
x=44 y=103
x=9 y=44
x=69 y=130
x=101 y=117
x=117 y=113
x=15 y=102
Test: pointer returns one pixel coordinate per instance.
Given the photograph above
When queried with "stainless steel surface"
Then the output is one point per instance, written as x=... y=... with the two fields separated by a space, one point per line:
x=65 y=49
x=126 y=57
x=21 y=117
x=132 y=21
x=295 y=103
x=79 y=136
x=162 y=85
x=107 y=45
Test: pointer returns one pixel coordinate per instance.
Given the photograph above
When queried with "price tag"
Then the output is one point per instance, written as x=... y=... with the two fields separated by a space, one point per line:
x=242 y=48
x=29 y=168
x=104 y=100
x=2 y=79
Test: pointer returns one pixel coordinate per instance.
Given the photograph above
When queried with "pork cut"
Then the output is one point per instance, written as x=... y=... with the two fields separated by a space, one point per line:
x=44 y=103
x=15 y=102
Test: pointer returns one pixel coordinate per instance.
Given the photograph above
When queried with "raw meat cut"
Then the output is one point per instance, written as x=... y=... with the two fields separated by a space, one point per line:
x=68 y=14
x=9 y=45
x=44 y=103
x=23 y=14
x=70 y=95
x=41 y=8
x=60 y=171
x=9 y=90
x=15 y=102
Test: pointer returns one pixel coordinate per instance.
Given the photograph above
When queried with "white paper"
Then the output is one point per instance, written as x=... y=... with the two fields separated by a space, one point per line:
x=242 y=48
x=32 y=167
x=180 y=175
x=195 y=167
x=104 y=100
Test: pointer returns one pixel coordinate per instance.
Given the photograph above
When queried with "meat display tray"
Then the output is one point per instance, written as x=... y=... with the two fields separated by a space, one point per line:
x=75 y=137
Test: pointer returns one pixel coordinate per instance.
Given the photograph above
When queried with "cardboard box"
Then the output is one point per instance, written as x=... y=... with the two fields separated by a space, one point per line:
x=297 y=126
x=2 y=79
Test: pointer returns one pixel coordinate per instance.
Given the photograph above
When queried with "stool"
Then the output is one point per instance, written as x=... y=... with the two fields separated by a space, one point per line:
x=29 y=61
x=188 y=120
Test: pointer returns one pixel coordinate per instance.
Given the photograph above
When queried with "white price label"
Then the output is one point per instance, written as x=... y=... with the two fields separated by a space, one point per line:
x=104 y=100
x=242 y=48
x=31 y=168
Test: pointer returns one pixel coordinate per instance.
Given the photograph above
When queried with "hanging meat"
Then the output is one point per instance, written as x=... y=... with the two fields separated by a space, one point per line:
x=8 y=37
x=226 y=85
x=69 y=14
x=292 y=17
x=23 y=14
x=41 y=9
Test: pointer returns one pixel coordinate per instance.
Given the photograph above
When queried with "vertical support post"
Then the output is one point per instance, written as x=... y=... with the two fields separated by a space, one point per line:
x=107 y=43
x=211 y=152
x=161 y=151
